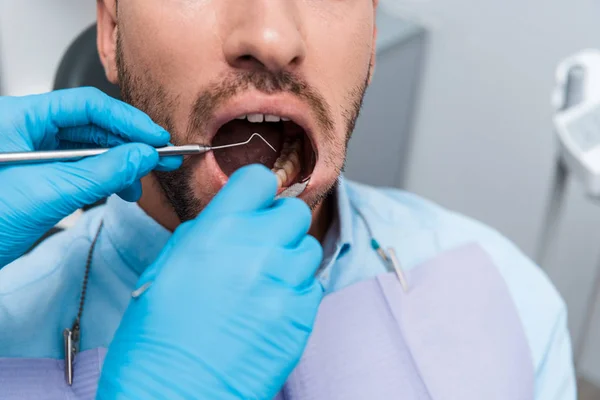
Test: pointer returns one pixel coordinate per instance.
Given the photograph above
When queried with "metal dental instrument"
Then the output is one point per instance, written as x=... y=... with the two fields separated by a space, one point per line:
x=294 y=190
x=65 y=155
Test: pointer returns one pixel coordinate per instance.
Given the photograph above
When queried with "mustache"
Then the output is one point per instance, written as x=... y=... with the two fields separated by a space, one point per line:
x=267 y=82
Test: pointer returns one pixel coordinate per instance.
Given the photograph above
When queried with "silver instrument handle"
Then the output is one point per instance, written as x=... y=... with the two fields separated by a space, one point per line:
x=66 y=155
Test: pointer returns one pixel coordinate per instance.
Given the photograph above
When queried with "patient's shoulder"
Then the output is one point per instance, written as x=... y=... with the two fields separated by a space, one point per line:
x=426 y=230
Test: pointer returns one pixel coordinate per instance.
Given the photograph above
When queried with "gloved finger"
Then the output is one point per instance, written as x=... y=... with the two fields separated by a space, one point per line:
x=94 y=137
x=132 y=193
x=249 y=189
x=169 y=163
x=308 y=255
x=66 y=145
x=88 y=106
x=92 y=179
x=296 y=217
x=89 y=134
x=284 y=224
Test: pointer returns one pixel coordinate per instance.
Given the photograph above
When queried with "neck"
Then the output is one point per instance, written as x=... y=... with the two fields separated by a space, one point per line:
x=156 y=205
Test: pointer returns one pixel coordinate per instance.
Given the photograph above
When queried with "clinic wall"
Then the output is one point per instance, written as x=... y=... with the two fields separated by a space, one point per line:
x=34 y=35
x=483 y=140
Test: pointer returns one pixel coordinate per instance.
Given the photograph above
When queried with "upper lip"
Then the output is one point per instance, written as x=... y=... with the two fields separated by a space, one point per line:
x=282 y=105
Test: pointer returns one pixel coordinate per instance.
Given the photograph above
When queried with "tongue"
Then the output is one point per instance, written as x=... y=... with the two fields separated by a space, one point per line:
x=255 y=152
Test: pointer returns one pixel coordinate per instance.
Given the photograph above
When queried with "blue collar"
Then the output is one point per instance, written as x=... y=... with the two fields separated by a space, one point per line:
x=139 y=239
x=135 y=236
x=339 y=238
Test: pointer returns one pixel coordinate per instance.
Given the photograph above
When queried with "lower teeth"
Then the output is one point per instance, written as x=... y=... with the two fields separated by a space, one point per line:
x=287 y=166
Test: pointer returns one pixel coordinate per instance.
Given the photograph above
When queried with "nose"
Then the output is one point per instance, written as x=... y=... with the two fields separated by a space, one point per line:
x=265 y=36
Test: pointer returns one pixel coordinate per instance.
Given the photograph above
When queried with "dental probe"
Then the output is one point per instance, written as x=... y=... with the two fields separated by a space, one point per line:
x=64 y=155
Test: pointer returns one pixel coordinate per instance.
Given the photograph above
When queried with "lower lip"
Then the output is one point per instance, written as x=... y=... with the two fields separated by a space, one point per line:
x=214 y=169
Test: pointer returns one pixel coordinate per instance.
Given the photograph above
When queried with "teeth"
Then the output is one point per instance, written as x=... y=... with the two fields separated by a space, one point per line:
x=288 y=164
x=289 y=146
x=281 y=177
x=272 y=118
x=256 y=118
x=260 y=118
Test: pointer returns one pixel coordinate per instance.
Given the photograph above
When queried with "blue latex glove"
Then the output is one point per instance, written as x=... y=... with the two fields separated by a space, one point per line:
x=232 y=303
x=35 y=197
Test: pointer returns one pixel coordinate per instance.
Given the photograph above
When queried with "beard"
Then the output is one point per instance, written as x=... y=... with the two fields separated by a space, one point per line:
x=141 y=91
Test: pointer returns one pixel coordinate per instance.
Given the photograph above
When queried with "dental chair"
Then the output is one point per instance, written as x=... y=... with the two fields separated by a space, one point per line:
x=81 y=66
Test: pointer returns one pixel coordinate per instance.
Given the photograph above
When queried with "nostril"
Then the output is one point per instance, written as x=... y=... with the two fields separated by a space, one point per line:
x=296 y=61
x=248 y=61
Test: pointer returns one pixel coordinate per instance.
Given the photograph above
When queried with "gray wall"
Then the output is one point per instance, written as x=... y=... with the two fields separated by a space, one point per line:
x=33 y=36
x=381 y=140
x=483 y=140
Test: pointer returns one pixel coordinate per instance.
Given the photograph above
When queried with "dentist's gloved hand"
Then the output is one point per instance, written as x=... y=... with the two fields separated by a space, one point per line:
x=34 y=198
x=232 y=303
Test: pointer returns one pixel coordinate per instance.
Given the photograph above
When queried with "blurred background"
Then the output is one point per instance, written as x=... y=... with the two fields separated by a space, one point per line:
x=460 y=112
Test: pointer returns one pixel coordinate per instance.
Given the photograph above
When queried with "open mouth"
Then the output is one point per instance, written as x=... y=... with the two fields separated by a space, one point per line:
x=293 y=161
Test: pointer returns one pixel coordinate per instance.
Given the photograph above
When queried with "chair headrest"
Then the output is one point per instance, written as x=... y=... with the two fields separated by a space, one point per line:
x=81 y=66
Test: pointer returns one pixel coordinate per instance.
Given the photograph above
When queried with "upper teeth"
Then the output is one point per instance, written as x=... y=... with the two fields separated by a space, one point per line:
x=259 y=118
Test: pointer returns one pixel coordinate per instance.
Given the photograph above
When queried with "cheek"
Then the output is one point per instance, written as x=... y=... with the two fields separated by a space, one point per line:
x=174 y=43
x=341 y=56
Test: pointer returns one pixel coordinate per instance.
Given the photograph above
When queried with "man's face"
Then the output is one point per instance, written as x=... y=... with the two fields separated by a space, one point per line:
x=217 y=71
